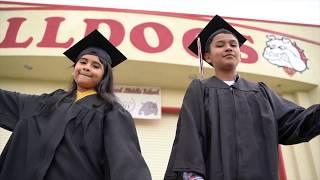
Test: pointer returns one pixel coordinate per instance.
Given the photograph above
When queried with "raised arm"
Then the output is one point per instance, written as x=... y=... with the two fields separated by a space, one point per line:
x=12 y=106
x=295 y=124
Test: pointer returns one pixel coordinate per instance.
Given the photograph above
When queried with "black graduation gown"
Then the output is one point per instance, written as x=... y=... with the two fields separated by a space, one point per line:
x=83 y=140
x=229 y=133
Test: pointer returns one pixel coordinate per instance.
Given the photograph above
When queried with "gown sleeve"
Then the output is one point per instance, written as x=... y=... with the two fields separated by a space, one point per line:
x=16 y=106
x=189 y=147
x=13 y=106
x=122 y=149
x=295 y=124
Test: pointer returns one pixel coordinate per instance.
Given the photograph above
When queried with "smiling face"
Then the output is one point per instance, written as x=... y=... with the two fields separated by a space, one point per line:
x=224 y=52
x=88 y=72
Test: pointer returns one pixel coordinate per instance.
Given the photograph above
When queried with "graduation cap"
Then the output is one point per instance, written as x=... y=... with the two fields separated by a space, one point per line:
x=198 y=45
x=97 y=43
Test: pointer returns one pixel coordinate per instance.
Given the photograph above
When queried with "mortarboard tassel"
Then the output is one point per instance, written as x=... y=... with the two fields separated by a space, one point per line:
x=201 y=69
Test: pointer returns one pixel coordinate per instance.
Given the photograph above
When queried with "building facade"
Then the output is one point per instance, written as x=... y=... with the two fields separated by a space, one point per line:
x=285 y=56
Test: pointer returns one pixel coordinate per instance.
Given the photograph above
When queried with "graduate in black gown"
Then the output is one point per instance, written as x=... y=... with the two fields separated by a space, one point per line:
x=80 y=134
x=229 y=128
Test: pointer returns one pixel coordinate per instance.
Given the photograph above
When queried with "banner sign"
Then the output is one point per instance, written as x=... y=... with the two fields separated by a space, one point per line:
x=141 y=102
